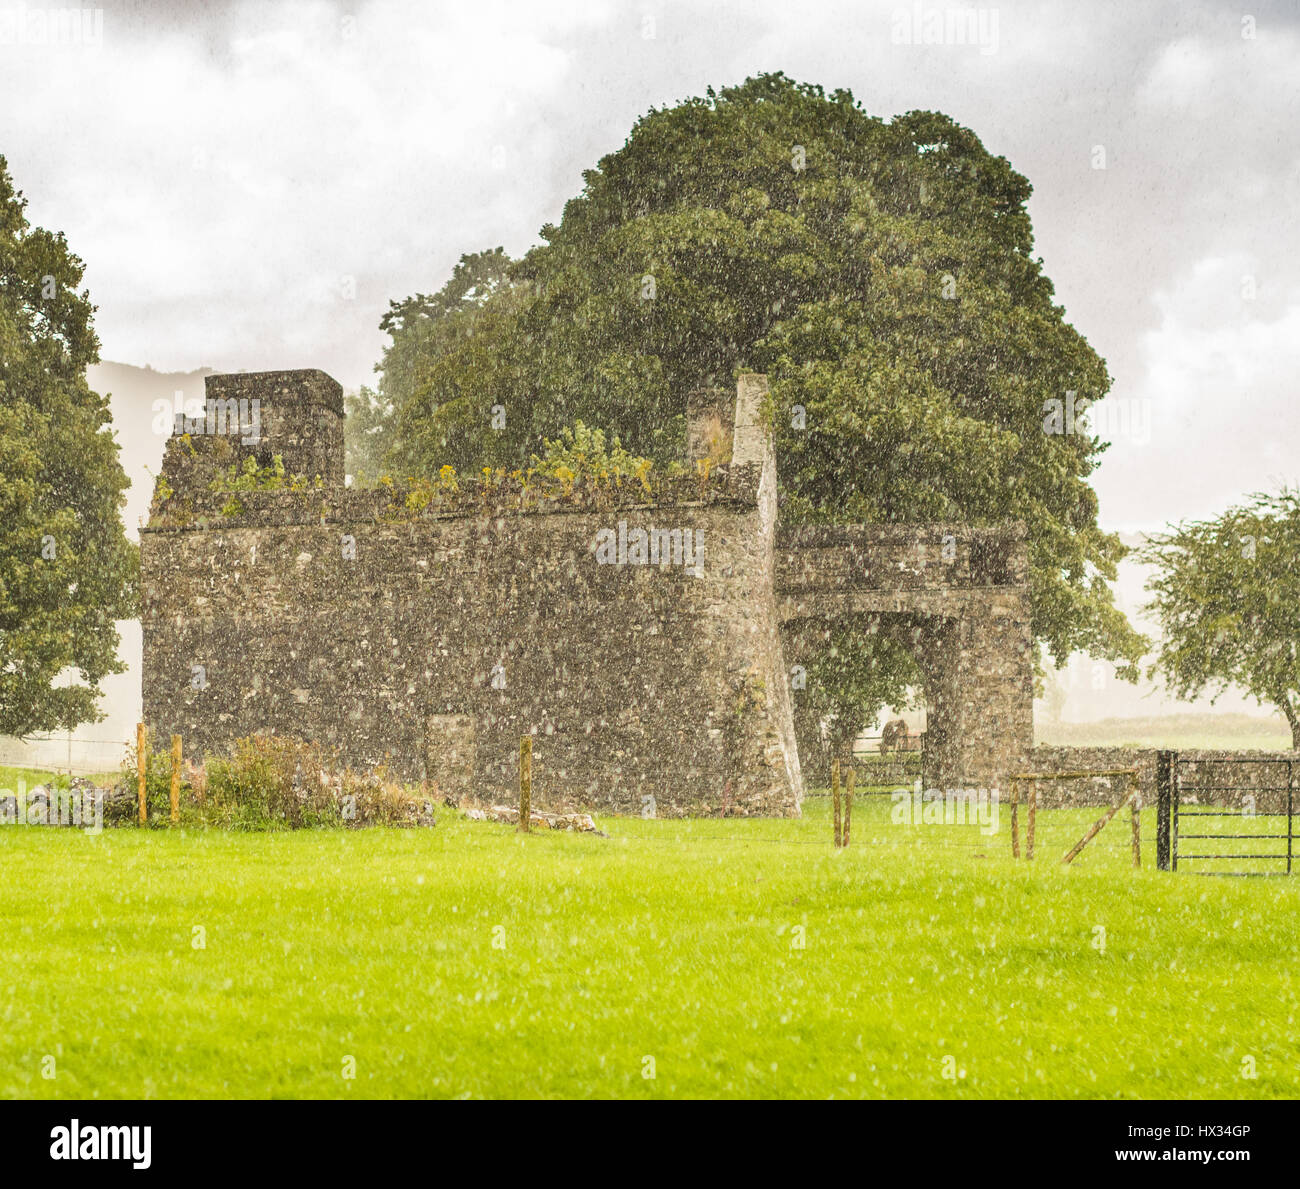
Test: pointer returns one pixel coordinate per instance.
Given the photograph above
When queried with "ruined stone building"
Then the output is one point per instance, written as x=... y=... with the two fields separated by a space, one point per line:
x=648 y=649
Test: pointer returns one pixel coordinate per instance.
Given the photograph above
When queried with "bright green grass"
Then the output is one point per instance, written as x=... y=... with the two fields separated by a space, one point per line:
x=675 y=940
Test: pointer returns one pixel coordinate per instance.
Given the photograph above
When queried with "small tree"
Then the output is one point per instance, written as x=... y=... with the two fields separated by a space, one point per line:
x=855 y=670
x=446 y=348
x=1227 y=596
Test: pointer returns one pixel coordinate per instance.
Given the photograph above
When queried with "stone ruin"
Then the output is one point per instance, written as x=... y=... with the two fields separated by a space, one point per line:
x=648 y=649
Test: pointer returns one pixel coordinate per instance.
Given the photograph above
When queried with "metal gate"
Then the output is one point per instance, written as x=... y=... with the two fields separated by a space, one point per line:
x=1204 y=818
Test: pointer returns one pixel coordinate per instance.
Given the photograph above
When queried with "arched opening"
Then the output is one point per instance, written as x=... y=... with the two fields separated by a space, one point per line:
x=848 y=668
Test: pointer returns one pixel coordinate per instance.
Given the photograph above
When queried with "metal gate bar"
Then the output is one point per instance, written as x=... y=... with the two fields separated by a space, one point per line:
x=1171 y=813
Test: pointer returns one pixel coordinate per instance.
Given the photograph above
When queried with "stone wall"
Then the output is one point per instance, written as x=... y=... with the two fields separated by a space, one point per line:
x=1054 y=794
x=890 y=769
x=958 y=596
x=432 y=642
x=431 y=635
x=1205 y=777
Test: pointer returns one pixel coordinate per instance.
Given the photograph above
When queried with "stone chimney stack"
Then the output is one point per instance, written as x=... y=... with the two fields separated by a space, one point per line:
x=751 y=438
x=297 y=415
x=300 y=414
x=725 y=427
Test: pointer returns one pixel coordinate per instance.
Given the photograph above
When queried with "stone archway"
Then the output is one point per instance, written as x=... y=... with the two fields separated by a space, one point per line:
x=960 y=596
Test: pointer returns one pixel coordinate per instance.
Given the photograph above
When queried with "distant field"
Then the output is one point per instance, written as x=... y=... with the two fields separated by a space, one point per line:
x=1188 y=731
x=734 y=957
x=31 y=777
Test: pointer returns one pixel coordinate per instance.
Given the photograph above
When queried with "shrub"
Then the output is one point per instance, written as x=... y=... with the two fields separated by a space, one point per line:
x=581 y=454
x=270 y=782
x=251 y=477
x=372 y=799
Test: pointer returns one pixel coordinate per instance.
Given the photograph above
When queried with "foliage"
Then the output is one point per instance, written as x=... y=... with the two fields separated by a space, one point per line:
x=267 y=782
x=1226 y=593
x=157 y=792
x=375 y=798
x=881 y=274
x=581 y=455
x=271 y=781
x=368 y=426
x=578 y=467
x=856 y=671
x=419 y=380
x=249 y=476
x=67 y=571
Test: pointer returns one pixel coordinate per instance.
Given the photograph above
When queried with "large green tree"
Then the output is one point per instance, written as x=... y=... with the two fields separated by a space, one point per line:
x=881 y=273
x=1226 y=593
x=66 y=567
x=439 y=365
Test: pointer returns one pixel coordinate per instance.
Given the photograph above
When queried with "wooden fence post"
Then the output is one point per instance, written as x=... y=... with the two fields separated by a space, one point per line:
x=1015 y=817
x=848 y=805
x=176 y=779
x=1136 y=820
x=141 y=763
x=1029 y=819
x=1132 y=798
x=525 y=783
x=835 y=797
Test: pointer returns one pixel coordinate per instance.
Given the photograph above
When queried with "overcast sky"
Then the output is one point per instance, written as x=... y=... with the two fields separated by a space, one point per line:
x=250 y=184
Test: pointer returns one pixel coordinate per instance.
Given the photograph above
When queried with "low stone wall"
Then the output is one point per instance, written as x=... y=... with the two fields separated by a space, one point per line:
x=889 y=769
x=1205 y=777
x=1091 y=790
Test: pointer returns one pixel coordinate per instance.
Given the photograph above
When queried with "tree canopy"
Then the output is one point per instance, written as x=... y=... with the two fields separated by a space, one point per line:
x=66 y=567
x=882 y=275
x=1226 y=593
x=422 y=374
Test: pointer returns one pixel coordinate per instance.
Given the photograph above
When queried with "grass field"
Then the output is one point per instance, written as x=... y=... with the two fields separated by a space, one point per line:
x=1178 y=731
x=31 y=777
x=745 y=957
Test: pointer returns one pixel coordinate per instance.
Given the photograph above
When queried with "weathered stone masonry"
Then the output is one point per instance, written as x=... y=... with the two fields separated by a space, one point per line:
x=959 y=598
x=432 y=641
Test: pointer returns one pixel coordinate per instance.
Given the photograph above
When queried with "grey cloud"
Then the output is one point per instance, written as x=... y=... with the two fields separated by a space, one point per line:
x=232 y=171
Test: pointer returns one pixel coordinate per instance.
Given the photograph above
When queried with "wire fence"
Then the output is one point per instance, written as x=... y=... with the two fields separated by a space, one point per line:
x=74 y=760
